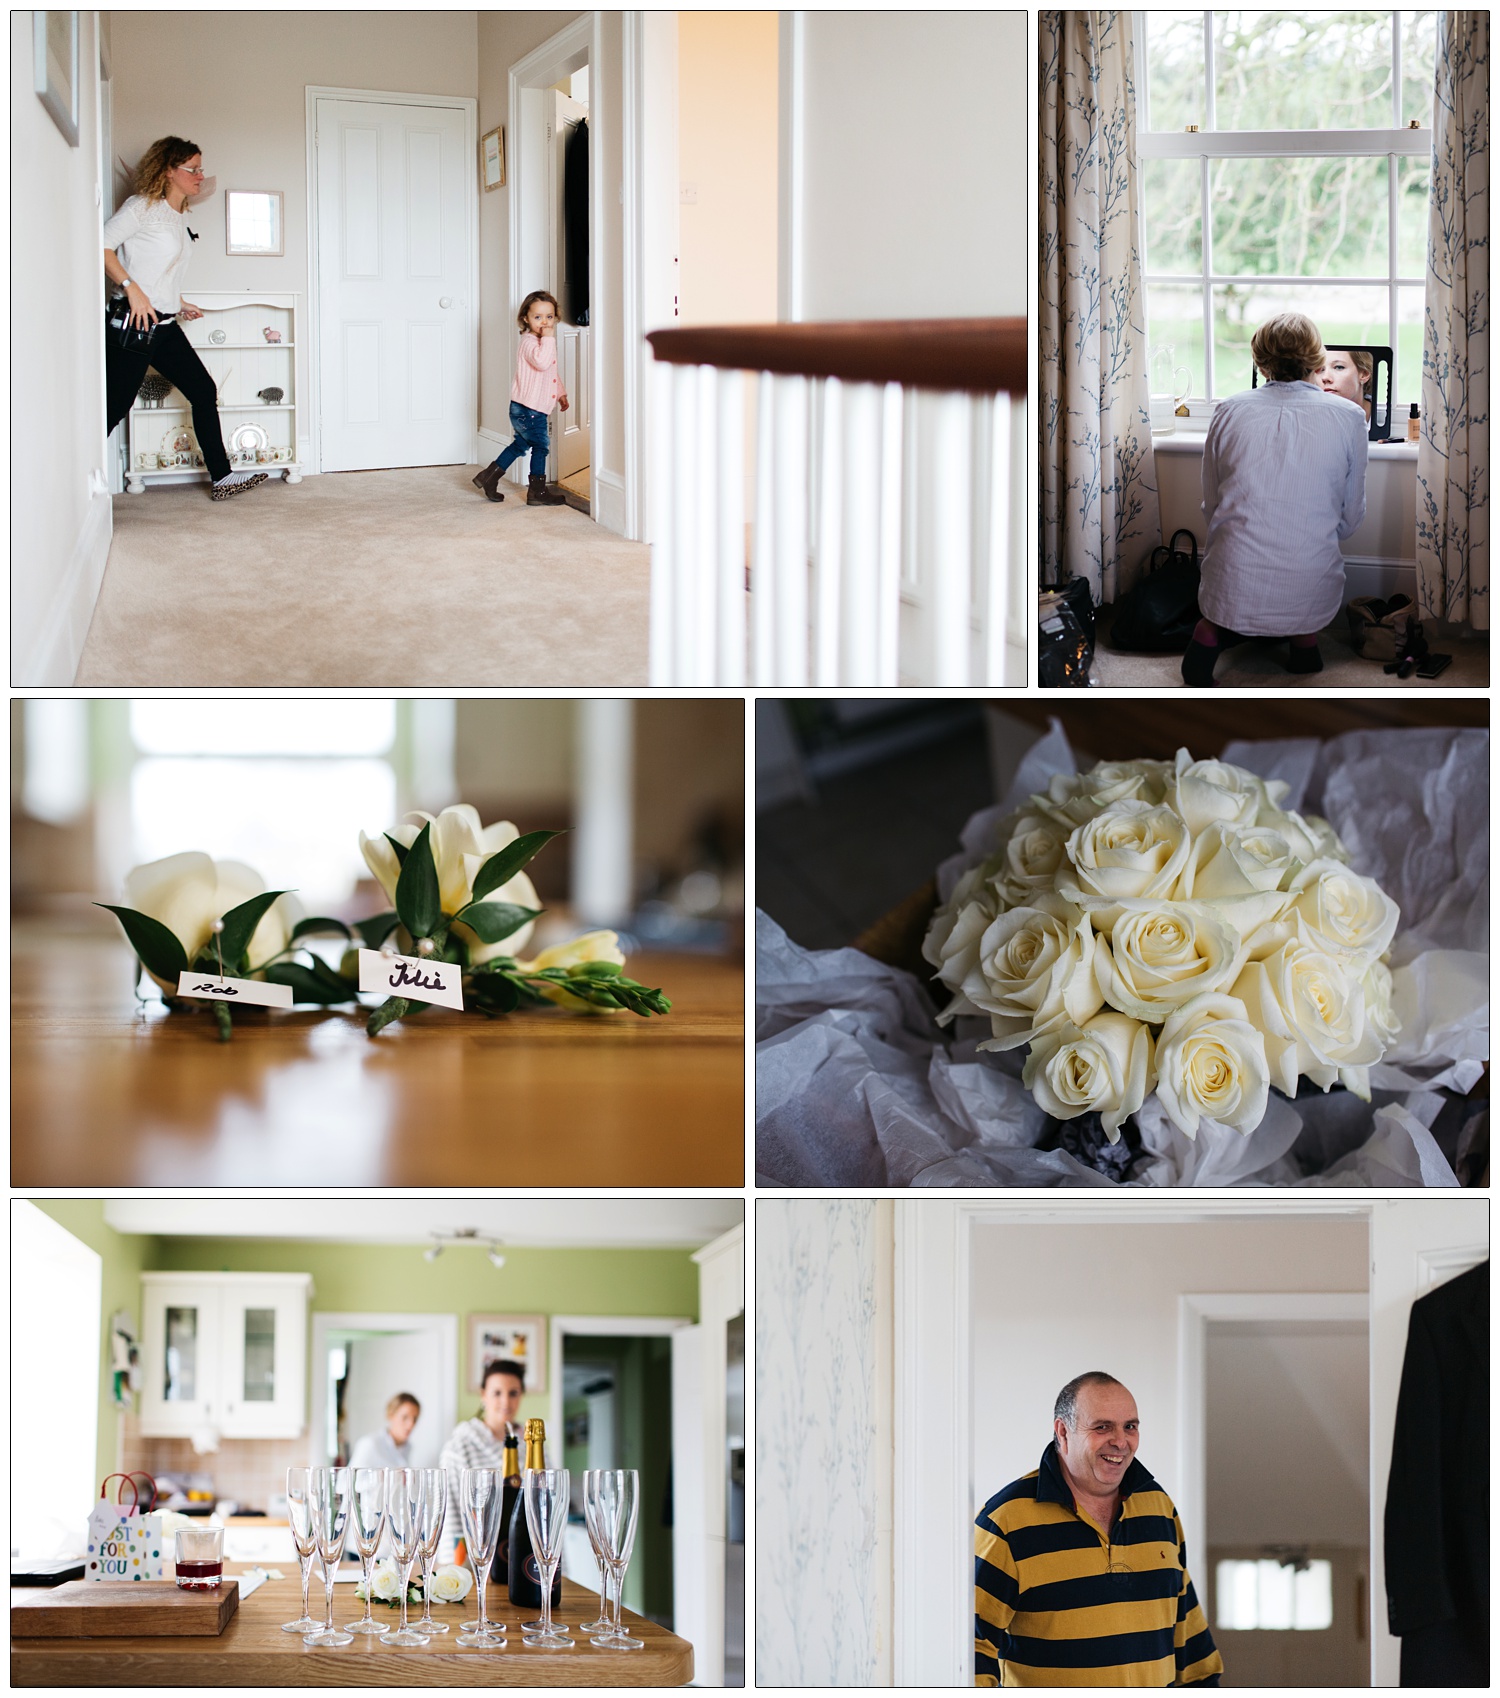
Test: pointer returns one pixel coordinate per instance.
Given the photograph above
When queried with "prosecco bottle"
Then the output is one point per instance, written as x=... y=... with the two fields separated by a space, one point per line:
x=525 y=1577
x=500 y=1567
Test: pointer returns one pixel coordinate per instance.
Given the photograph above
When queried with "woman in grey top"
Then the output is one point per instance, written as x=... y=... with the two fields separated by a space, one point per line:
x=1283 y=484
x=391 y=1447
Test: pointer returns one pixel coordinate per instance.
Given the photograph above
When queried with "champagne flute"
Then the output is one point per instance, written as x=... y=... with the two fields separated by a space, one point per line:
x=480 y=1492
x=406 y=1505
x=546 y=1496
x=603 y=1623
x=430 y=1536
x=299 y=1519
x=367 y=1523
x=617 y=1502
x=332 y=1489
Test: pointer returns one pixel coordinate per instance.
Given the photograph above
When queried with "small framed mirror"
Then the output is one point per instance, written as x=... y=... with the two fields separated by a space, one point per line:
x=252 y=221
x=1361 y=372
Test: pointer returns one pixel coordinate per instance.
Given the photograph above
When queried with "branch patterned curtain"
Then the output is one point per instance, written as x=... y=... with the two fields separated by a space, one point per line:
x=1453 y=459
x=1099 y=515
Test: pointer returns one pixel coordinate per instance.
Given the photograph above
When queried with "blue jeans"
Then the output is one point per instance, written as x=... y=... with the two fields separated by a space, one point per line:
x=528 y=429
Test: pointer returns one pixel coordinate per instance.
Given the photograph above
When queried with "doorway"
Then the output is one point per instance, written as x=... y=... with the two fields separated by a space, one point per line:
x=568 y=198
x=360 y=1361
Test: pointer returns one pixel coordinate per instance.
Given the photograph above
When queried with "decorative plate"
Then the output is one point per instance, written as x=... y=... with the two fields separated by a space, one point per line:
x=218 y=335
x=248 y=439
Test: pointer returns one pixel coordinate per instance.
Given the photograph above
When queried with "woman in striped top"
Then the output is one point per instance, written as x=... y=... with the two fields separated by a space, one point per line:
x=1283 y=485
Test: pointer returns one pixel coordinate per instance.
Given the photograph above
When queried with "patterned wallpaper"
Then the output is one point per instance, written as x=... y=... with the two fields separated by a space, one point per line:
x=823 y=1461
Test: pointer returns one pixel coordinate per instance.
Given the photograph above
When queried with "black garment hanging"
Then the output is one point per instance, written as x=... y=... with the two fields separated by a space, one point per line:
x=576 y=220
x=1437 y=1524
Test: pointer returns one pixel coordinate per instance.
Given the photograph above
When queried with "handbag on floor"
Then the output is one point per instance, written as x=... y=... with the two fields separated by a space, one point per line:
x=1157 y=616
x=1383 y=630
x=1065 y=635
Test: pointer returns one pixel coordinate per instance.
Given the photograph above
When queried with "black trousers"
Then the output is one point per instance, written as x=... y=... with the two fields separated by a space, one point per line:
x=170 y=352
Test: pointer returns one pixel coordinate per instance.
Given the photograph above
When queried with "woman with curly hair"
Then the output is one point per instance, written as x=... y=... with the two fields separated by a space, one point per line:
x=1283 y=485
x=146 y=247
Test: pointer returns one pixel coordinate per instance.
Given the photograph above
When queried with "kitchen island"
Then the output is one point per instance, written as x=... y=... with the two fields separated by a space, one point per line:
x=253 y=1651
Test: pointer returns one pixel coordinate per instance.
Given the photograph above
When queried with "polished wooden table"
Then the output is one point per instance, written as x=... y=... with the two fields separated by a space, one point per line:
x=108 y=1091
x=253 y=1651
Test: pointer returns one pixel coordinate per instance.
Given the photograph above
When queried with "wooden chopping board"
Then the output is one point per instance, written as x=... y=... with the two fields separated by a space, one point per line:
x=123 y=1609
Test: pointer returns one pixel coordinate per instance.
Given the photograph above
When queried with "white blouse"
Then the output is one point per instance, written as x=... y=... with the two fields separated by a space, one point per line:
x=152 y=243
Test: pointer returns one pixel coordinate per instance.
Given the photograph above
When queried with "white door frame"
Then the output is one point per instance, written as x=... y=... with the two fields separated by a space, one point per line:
x=600 y=1326
x=469 y=106
x=325 y=1322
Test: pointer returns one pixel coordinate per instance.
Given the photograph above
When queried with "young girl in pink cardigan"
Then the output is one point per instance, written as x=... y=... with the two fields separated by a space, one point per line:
x=532 y=398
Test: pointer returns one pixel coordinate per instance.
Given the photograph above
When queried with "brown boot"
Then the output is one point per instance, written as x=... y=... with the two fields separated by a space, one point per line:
x=488 y=480
x=539 y=495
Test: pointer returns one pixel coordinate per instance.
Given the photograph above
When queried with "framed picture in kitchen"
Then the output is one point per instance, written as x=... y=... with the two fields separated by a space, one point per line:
x=508 y=1338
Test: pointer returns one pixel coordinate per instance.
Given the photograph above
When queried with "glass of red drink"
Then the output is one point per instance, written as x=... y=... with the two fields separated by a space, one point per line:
x=200 y=1558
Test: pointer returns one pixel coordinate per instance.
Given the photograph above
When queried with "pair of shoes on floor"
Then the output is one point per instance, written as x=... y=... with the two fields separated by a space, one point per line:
x=489 y=481
x=1305 y=657
x=1199 y=662
x=539 y=495
x=236 y=483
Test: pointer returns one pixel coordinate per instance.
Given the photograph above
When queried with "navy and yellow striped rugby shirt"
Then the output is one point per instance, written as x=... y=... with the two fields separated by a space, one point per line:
x=1058 y=1601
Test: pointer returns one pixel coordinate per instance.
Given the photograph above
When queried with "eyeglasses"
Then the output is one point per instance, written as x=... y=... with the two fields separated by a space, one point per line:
x=192 y=170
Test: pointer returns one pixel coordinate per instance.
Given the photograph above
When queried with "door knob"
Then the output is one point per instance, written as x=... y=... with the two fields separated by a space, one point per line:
x=445 y=301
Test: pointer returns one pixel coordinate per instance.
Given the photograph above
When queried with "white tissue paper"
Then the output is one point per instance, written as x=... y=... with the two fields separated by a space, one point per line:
x=856 y=1084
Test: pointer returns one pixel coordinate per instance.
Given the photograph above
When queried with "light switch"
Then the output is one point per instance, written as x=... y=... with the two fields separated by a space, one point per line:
x=689 y=194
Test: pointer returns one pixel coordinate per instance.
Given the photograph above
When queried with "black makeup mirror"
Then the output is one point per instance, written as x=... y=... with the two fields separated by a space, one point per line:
x=1377 y=386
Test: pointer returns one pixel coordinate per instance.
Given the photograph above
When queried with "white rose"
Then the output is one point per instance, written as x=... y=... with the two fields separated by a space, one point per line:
x=1205 y=791
x=1029 y=862
x=460 y=847
x=1211 y=1065
x=1240 y=870
x=386 y=1583
x=592 y=946
x=1379 y=987
x=1131 y=849
x=1034 y=969
x=1311 y=838
x=1161 y=954
x=188 y=892
x=451 y=1584
x=1341 y=909
x=1073 y=798
x=1312 y=1016
x=952 y=940
x=1102 y=1067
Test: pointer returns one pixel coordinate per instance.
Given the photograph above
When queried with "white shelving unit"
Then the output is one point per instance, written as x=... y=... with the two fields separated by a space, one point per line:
x=242 y=364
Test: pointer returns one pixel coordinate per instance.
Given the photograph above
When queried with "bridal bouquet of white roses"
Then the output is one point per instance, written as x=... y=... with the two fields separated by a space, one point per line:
x=1166 y=926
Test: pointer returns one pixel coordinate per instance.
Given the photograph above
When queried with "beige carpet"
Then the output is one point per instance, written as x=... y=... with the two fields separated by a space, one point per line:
x=1261 y=664
x=379 y=579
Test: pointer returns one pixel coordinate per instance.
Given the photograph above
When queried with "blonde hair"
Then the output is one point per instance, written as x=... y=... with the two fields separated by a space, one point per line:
x=158 y=162
x=1287 y=348
x=531 y=300
x=396 y=1402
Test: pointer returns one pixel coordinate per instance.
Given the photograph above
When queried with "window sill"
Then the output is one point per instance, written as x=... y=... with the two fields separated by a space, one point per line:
x=1189 y=437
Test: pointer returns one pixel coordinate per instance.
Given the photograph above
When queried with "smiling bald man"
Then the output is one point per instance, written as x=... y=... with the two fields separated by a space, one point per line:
x=1080 y=1569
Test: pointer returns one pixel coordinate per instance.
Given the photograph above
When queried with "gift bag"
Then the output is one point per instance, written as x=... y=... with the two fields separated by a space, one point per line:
x=127 y=1542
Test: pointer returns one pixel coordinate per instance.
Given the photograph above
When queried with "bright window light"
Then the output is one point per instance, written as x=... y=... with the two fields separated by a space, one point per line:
x=1269 y=1596
x=271 y=727
x=56 y=783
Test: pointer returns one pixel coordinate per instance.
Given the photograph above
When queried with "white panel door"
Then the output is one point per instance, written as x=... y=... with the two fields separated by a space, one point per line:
x=1416 y=1245
x=396 y=370
x=570 y=430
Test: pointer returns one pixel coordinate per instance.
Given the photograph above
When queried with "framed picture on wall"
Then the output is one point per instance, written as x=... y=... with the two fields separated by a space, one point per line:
x=510 y=1338
x=54 y=40
x=492 y=158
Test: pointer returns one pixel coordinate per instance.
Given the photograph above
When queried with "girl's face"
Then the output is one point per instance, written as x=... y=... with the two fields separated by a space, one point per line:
x=1341 y=376
x=541 y=318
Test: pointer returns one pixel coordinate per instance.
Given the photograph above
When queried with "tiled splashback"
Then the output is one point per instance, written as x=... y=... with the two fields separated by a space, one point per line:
x=247 y=1470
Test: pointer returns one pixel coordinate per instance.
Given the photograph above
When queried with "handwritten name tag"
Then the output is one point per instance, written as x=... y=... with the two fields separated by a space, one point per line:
x=410 y=976
x=214 y=989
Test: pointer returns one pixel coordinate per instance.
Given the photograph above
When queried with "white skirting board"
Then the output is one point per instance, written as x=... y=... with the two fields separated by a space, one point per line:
x=53 y=660
x=1382 y=578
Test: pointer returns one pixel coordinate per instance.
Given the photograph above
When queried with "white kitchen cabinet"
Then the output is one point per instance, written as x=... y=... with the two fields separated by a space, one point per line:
x=225 y=1351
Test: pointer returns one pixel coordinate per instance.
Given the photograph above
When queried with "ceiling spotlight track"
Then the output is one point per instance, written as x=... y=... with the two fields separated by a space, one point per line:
x=460 y=1236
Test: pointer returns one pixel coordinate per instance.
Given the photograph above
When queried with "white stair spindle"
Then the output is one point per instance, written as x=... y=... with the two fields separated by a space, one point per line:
x=789 y=568
x=950 y=573
x=998 y=556
x=664 y=552
x=684 y=474
x=762 y=571
x=862 y=501
x=830 y=538
x=730 y=571
x=888 y=595
x=703 y=657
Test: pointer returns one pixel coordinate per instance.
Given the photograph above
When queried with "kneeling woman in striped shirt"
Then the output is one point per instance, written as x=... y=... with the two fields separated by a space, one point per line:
x=1080 y=1569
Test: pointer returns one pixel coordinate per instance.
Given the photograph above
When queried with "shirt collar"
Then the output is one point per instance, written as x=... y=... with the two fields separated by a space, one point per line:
x=1052 y=1484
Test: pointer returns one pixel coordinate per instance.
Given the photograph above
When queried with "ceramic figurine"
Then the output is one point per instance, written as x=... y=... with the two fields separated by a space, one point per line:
x=154 y=389
x=271 y=335
x=271 y=397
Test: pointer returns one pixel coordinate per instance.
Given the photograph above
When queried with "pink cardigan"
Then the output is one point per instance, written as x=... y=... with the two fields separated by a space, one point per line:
x=536 y=384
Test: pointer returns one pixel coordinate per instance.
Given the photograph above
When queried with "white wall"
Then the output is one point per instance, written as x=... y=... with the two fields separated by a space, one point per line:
x=1050 y=1302
x=381 y=1366
x=914 y=178
x=823 y=1475
x=59 y=531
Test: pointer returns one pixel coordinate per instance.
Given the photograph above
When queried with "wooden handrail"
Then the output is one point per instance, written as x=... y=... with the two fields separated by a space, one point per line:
x=977 y=356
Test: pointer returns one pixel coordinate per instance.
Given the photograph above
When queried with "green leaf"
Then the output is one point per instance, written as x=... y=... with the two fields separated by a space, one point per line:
x=160 y=950
x=318 y=983
x=505 y=863
x=401 y=850
x=311 y=928
x=595 y=970
x=374 y=932
x=391 y=1009
x=239 y=928
x=418 y=899
x=497 y=994
x=492 y=921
